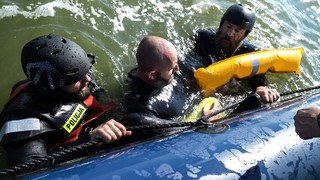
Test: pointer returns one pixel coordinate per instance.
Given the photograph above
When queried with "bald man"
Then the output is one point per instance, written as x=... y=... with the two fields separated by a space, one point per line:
x=160 y=92
x=157 y=61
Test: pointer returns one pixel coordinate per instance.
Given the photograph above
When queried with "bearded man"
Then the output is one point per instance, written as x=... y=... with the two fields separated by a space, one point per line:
x=229 y=40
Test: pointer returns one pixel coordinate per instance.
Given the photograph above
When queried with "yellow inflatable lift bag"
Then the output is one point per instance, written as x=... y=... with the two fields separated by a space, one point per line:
x=249 y=64
x=197 y=113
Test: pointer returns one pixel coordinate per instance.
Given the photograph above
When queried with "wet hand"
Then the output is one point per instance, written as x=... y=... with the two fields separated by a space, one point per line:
x=206 y=111
x=109 y=131
x=305 y=122
x=267 y=95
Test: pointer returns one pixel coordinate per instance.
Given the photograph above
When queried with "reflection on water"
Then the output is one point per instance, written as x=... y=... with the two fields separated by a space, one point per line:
x=112 y=30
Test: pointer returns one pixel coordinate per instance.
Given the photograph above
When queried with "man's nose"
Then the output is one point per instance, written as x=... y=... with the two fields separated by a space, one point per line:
x=86 y=78
x=231 y=32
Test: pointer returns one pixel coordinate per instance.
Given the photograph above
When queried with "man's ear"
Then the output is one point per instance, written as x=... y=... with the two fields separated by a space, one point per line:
x=152 y=75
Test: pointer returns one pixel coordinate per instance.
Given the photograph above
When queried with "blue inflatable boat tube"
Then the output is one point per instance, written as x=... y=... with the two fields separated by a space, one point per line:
x=260 y=144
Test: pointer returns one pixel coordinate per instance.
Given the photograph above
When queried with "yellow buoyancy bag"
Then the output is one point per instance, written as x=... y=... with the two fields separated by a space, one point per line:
x=205 y=103
x=249 y=64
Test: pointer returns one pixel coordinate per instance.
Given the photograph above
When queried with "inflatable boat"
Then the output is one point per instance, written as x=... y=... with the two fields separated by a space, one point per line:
x=258 y=144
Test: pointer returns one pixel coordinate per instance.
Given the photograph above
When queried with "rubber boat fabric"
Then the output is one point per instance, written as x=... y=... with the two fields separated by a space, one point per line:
x=249 y=64
x=243 y=152
x=217 y=130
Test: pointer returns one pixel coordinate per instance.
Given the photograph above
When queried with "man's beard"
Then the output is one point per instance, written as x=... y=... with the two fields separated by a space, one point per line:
x=79 y=95
x=83 y=95
x=161 y=82
x=226 y=45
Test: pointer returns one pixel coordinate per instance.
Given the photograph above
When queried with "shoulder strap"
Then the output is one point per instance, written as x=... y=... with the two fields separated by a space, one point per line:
x=15 y=91
x=18 y=89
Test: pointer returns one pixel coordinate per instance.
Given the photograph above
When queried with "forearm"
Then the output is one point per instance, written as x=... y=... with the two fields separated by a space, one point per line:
x=135 y=119
x=251 y=102
x=140 y=119
x=258 y=80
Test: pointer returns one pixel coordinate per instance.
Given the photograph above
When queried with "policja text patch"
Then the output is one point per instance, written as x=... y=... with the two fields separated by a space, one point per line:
x=75 y=118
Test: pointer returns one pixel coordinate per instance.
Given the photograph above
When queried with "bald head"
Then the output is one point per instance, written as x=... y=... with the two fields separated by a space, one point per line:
x=155 y=54
x=154 y=51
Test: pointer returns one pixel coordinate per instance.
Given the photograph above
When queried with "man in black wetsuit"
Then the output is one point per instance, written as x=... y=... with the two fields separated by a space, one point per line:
x=236 y=23
x=160 y=92
x=58 y=105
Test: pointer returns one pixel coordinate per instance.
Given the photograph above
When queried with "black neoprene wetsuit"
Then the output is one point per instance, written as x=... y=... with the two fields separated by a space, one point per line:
x=32 y=124
x=170 y=102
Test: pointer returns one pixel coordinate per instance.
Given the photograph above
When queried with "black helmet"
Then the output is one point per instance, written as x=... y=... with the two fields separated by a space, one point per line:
x=52 y=61
x=241 y=15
